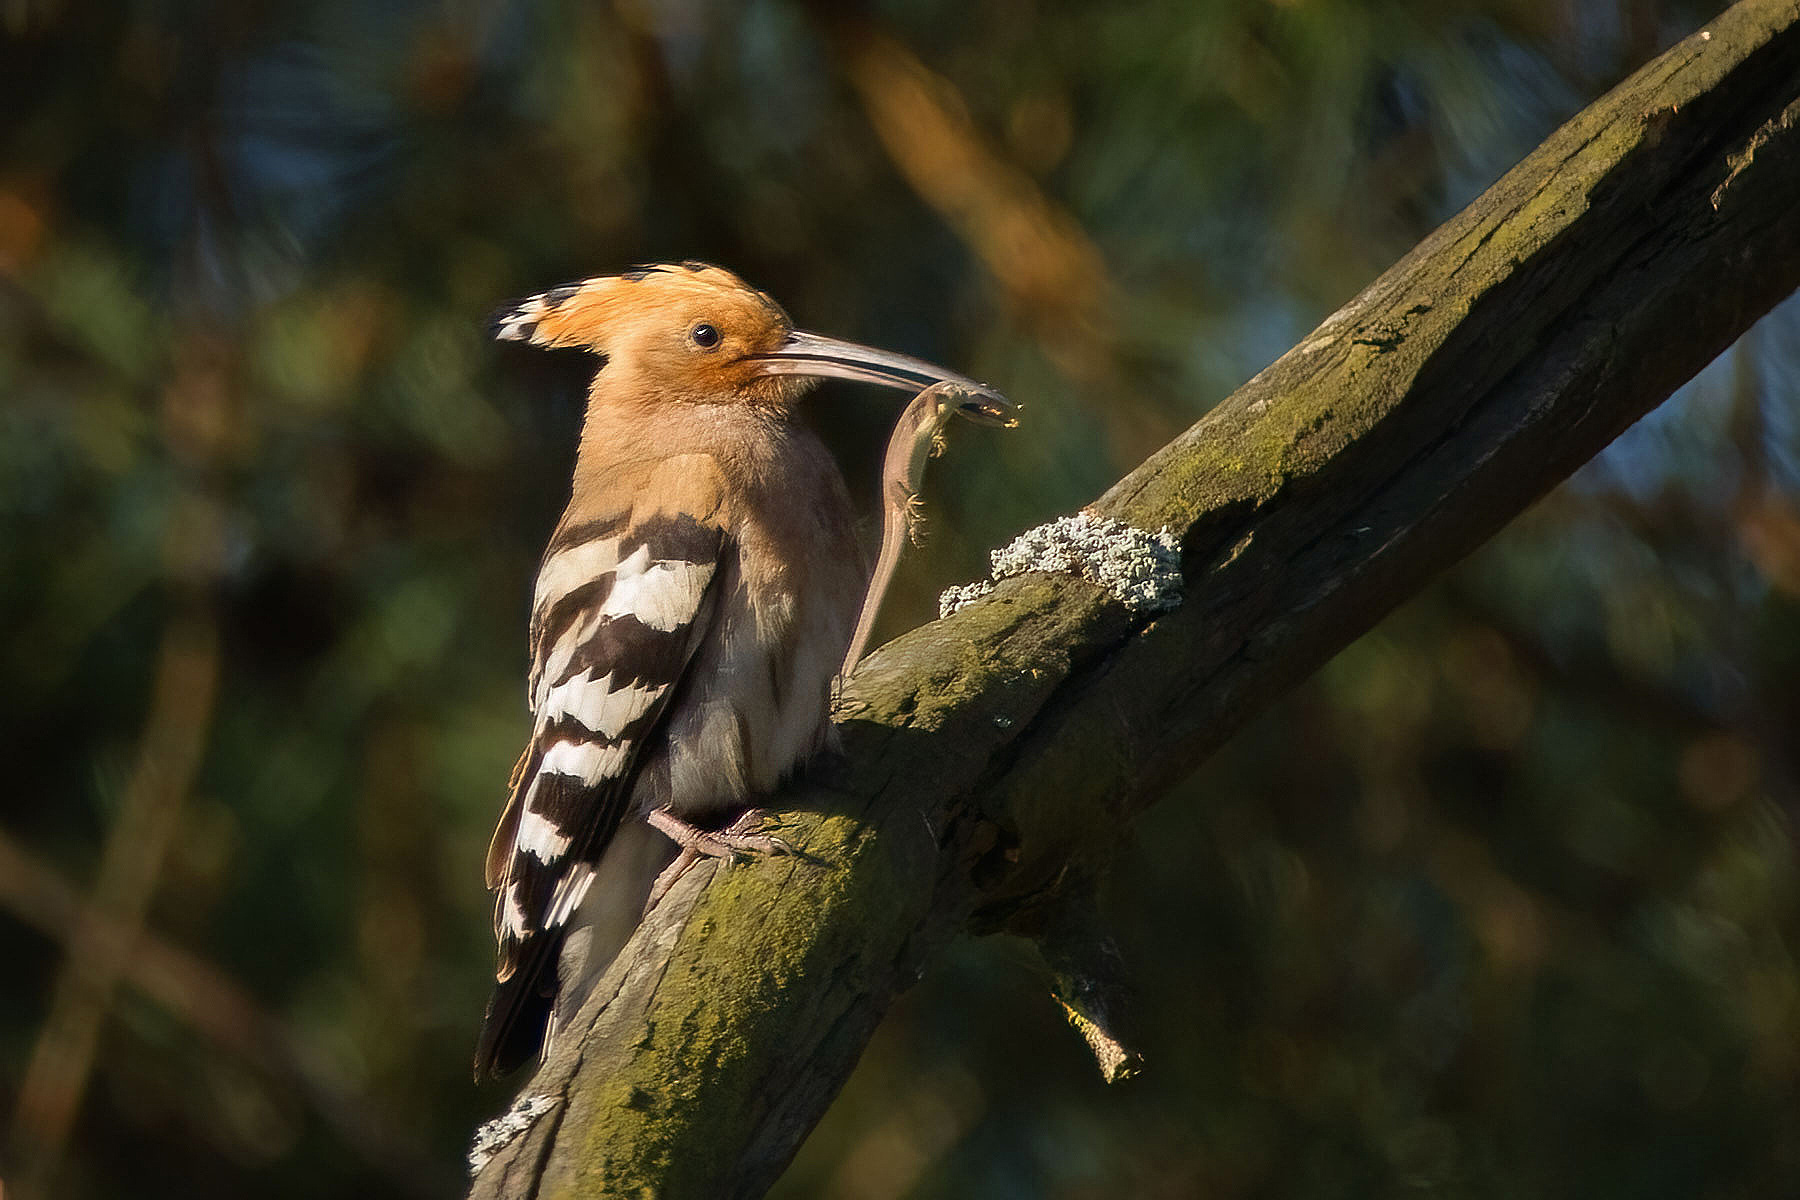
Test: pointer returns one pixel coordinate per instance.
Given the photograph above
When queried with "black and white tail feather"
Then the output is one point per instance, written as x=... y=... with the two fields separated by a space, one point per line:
x=619 y=609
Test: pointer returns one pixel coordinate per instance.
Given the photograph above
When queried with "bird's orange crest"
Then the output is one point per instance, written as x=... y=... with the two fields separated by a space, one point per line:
x=589 y=314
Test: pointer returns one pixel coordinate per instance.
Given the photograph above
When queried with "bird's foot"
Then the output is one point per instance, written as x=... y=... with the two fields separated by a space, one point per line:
x=742 y=837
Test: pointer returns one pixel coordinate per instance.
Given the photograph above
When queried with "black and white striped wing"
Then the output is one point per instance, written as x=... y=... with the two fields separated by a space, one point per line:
x=620 y=608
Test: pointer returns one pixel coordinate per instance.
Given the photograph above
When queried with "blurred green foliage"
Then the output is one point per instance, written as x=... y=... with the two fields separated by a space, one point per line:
x=1502 y=903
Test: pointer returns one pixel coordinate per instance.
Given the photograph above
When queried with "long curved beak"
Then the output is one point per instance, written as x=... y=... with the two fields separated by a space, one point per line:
x=828 y=358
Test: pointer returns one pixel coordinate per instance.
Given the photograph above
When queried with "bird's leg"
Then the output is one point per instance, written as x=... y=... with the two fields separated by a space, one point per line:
x=742 y=836
x=739 y=837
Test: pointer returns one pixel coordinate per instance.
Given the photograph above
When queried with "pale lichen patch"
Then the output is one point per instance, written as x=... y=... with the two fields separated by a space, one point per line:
x=1141 y=569
x=505 y=1129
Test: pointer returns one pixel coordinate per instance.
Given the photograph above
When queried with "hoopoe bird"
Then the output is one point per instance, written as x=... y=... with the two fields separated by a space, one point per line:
x=690 y=613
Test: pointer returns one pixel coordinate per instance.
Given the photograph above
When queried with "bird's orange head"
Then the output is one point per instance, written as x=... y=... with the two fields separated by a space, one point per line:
x=693 y=333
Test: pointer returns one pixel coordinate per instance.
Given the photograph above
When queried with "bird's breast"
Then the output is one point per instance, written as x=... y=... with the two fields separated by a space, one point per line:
x=758 y=701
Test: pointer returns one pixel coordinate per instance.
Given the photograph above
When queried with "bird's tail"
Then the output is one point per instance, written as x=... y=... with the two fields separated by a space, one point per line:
x=518 y=1015
x=541 y=996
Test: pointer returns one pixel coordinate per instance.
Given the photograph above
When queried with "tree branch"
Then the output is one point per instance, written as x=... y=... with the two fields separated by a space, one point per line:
x=993 y=754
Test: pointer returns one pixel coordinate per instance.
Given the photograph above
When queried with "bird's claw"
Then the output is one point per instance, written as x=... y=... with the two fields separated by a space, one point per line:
x=742 y=838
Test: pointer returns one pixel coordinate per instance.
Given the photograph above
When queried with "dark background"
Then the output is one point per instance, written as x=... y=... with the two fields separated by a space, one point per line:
x=1502 y=903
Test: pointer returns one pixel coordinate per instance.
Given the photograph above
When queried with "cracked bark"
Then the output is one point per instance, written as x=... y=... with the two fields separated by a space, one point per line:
x=992 y=754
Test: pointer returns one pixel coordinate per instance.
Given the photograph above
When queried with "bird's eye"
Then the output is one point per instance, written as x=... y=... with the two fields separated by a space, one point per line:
x=705 y=335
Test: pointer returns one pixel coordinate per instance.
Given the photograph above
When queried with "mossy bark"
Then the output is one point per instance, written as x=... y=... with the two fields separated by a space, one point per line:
x=993 y=754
